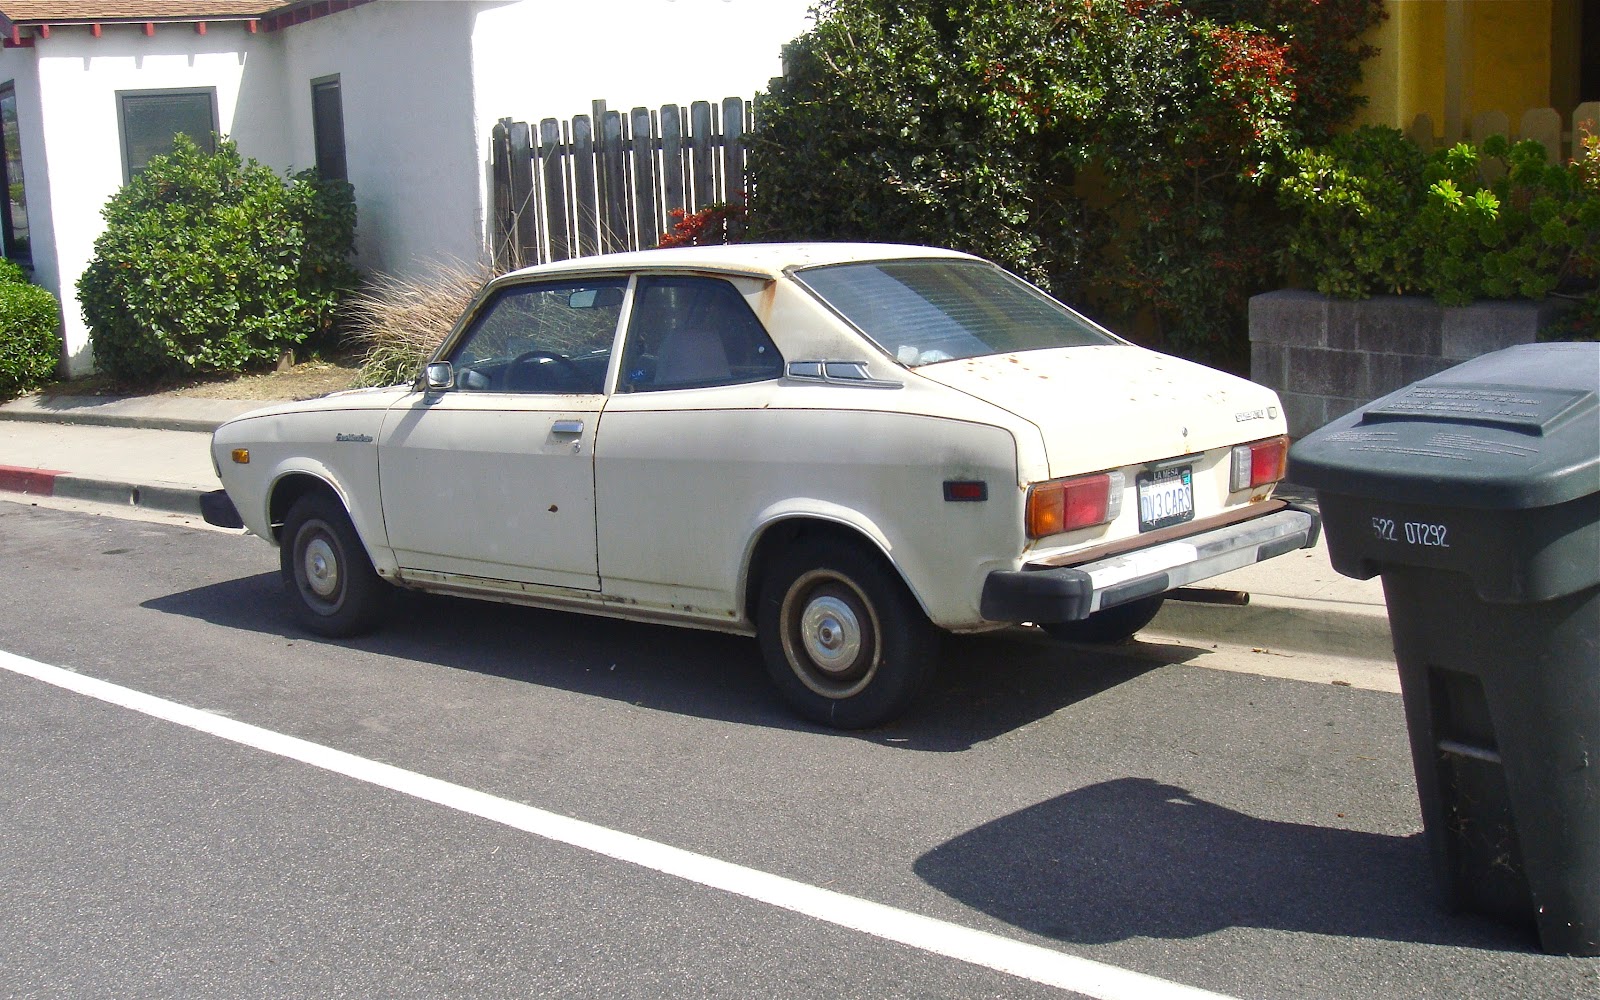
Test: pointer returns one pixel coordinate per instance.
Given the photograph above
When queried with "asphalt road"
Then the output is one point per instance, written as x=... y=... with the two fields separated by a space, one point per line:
x=1248 y=835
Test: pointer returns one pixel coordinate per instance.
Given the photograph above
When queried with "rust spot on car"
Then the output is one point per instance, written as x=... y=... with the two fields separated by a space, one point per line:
x=554 y=508
x=767 y=299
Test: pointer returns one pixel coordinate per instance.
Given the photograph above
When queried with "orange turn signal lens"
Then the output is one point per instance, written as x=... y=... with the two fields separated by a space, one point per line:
x=241 y=456
x=1070 y=504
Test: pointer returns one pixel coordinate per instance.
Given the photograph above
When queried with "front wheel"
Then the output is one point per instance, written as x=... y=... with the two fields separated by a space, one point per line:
x=332 y=586
x=843 y=639
x=1112 y=624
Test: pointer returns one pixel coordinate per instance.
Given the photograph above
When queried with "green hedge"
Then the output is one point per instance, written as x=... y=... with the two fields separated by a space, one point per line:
x=30 y=338
x=1119 y=154
x=210 y=263
x=1375 y=215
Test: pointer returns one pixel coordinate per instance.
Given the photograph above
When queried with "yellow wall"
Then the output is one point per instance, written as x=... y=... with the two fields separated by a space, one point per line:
x=1451 y=59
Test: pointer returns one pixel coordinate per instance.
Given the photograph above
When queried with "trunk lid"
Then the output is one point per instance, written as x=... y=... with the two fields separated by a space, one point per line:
x=1106 y=407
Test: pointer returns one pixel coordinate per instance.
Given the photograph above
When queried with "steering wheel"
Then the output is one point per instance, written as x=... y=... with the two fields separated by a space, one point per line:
x=528 y=357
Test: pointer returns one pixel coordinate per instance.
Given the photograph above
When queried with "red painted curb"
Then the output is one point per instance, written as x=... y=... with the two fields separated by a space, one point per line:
x=38 y=482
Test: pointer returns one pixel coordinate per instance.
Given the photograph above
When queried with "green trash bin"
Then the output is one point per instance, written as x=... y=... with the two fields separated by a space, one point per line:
x=1475 y=494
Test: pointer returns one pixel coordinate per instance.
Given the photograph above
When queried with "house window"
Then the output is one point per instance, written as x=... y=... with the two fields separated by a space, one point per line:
x=327 y=123
x=14 y=207
x=149 y=119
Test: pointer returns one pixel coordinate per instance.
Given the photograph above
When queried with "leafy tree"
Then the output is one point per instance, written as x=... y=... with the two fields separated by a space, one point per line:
x=1114 y=151
x=209 y=263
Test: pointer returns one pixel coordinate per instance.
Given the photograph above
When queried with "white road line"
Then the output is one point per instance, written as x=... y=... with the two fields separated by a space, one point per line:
x=991 y=951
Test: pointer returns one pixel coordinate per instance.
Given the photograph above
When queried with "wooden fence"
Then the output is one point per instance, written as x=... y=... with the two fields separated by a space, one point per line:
x=1560 y=140
x=606 y=182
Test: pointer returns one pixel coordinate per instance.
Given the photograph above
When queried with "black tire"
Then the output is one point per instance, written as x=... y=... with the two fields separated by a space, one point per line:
x=843 y=639
x=1112 y=624
x=332 y=586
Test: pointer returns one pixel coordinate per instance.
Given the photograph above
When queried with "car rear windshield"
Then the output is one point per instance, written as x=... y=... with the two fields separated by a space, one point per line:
x=926 y=311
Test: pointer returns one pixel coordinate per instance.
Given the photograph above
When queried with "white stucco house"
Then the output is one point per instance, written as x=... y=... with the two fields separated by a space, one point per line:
x=399 y=96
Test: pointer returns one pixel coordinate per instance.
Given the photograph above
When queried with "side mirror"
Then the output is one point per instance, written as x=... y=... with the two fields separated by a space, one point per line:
x=439 y=376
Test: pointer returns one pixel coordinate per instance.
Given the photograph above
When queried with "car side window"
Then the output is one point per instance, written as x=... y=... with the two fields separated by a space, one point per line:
x=551 y=337
x=691 y=332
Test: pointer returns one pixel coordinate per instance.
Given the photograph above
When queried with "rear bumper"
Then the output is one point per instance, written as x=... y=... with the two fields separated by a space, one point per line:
x=218 y=509
x=1071 y=593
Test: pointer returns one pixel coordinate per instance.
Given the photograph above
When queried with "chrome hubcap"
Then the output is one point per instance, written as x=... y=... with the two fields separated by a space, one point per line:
x=322 y=568
x=831 y=634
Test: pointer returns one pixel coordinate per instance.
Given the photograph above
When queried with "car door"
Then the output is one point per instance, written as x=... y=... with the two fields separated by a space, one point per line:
x=685 y=449
x=493 y=477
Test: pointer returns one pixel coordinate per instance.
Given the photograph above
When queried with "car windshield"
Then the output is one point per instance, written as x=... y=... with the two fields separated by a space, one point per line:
x=926 y=311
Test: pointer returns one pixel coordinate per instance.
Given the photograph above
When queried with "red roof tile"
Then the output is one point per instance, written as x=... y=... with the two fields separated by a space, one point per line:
x=56 y=11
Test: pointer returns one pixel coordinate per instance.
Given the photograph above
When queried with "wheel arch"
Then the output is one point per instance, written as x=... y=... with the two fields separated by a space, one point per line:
x=289 y=488
x=785 y=531
x=292 y=483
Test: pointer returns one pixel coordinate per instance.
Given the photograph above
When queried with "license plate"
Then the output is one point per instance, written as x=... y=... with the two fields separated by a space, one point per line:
x=1166 y=497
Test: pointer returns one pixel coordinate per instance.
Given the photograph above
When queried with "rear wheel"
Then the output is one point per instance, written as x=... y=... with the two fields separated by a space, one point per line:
x=843 y=639
x=332 y=586
x=1110 y=625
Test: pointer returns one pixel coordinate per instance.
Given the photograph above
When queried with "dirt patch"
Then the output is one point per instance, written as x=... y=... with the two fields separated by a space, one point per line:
x=306 y=380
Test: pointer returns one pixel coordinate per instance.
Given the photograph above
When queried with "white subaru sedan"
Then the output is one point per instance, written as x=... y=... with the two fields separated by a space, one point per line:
x=841 y=449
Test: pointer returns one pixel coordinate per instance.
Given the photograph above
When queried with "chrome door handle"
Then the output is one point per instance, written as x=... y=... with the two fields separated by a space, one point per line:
x=567 y=427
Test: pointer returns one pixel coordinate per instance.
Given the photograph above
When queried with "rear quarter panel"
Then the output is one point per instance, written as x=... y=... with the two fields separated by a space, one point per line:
x=684 y=490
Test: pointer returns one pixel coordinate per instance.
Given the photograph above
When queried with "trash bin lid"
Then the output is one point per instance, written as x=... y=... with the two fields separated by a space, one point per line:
x=1516 y=429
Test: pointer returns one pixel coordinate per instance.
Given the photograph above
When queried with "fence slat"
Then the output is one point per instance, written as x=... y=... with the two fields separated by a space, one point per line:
x=1487 y=123
x=700 y=129
x=733 y=159
x=613 y=169
x=671 y=162
x=502 y=223
x=524 y=207
x=555 y=188
x=1544 y=126
x=646 y=224
x=586 y=203
x=604 y=182
x=1585 y=121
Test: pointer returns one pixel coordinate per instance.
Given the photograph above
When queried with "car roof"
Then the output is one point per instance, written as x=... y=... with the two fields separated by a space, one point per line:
x=763 y=259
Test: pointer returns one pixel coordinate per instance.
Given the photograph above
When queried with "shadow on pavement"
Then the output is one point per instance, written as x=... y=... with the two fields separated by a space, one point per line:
x=1134 y=858
x=987 y=685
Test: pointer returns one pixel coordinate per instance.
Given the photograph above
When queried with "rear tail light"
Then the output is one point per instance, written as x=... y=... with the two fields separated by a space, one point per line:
x=1259 y=463
x=1070 y=504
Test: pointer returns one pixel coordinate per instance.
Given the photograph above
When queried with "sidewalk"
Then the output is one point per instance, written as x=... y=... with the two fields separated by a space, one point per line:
x=155 y=454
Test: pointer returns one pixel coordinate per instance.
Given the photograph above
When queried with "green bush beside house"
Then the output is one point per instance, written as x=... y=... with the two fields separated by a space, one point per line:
x=30 y=332
x=210 y=263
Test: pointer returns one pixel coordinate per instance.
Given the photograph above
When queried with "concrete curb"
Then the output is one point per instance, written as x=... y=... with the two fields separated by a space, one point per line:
x=179 y=414
x=1324 y=628
x=168 y=499
x=50 y=483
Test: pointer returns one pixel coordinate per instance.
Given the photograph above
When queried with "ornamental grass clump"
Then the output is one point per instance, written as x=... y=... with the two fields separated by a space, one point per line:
x=210 y=263
x=397 y=322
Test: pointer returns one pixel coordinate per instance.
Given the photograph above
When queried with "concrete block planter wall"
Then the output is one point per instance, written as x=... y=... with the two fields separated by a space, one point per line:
x=1325 y=357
